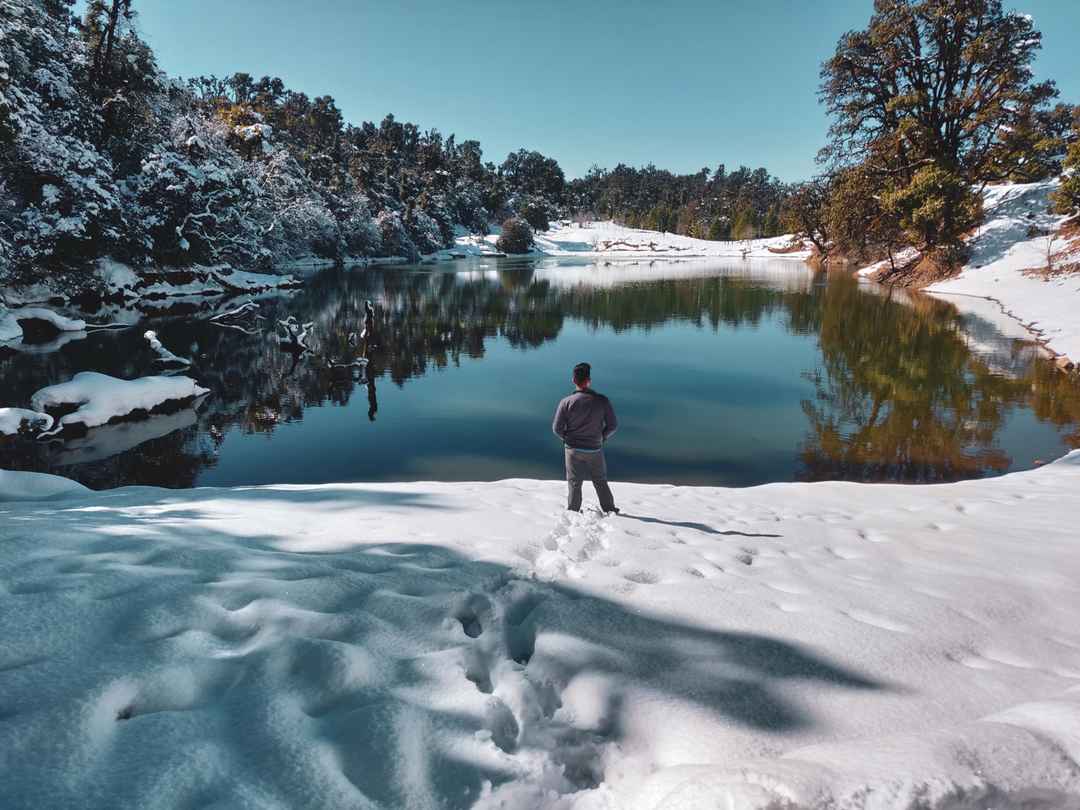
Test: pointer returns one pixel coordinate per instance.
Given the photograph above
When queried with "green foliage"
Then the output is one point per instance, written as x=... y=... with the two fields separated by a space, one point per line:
x=1067 y=198
x=934 y=97
x=531 y=173
x=516 y=236
x=744 y=226
x=718 y=230
x=935 y=209
x=805 y=213
x=687 y=204
x=535 y=213
x=859 y=226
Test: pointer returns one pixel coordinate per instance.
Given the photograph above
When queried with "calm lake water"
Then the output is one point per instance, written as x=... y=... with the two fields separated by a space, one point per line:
x=731 y=373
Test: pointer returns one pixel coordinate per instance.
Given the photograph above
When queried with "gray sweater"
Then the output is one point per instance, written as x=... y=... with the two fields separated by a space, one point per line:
x=584 y=420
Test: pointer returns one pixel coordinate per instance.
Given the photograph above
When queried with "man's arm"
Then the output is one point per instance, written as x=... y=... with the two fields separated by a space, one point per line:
x=558 y=425
x=611 y=424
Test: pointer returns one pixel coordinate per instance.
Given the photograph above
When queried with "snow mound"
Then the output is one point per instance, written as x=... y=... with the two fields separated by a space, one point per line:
x=31 y=486
x=11 y=331
x=100 y=398
x=828 y=645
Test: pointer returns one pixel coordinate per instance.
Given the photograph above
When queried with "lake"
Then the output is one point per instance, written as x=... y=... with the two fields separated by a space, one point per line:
x=722 y=372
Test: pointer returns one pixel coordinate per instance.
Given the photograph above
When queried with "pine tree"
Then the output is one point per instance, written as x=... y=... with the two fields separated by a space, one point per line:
x=745 y=226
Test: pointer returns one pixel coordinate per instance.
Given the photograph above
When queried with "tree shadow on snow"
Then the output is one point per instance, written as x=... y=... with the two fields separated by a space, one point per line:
x=700 y=527
x=386 y=675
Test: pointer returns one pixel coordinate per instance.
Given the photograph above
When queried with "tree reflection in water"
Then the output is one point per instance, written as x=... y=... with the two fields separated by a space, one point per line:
x=899 y=393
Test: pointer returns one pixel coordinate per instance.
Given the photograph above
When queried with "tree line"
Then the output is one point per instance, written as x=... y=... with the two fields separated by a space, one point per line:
x=103 y=155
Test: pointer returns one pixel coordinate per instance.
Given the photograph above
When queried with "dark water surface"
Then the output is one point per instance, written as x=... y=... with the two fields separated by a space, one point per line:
x=731 y=373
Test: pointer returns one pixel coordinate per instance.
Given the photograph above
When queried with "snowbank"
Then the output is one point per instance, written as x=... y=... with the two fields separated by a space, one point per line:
x=608 y=240
x=1016 y=237
x=31 y=486
x=423 y=645
x=101 y=398
x=11 y=331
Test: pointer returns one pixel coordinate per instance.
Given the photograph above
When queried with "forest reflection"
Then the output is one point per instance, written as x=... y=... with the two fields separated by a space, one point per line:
x=899 y=390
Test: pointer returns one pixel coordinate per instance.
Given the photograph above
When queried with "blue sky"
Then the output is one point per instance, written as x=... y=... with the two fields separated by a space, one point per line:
x=679 y=84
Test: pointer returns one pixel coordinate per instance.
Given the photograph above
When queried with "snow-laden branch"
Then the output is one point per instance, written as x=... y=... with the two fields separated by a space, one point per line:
x=295 y=332
x=164 y=356
x=243 y=309
x=16 y=420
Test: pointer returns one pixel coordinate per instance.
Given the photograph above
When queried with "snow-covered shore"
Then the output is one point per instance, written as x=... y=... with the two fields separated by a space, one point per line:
x=471 y=645
x=609 y=241
x=1018 y=240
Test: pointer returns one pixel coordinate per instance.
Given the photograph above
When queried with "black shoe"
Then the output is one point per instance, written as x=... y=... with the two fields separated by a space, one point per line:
x=612 y=511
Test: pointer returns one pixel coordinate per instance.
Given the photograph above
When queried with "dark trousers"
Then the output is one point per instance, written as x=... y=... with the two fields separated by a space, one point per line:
x=582 y=466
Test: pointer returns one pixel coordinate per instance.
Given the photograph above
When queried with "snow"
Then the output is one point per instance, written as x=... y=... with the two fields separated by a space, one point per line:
x=101 y=397
x=422 y=645
x=30 y=486
x=608 y=240
x=121 y=280
x=1002 y=250
x=164 y=356
x=11 y=331
x=13 y=419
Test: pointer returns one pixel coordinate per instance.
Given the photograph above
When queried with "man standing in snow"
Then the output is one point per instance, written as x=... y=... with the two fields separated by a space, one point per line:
x=584 y=421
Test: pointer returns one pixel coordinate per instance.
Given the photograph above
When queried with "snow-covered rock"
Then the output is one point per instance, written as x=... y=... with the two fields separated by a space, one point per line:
x=11 y=330
x=830 y=645
x=100 y=398
x=13 y=420
x=164 y=356
x=121 y=281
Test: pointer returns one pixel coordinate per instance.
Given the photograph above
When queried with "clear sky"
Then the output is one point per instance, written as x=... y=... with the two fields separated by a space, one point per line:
x=680 y=84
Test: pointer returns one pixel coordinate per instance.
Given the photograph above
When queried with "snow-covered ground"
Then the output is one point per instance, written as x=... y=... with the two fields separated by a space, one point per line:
x=429 y=645
x=1002 y=250
x=608 y=240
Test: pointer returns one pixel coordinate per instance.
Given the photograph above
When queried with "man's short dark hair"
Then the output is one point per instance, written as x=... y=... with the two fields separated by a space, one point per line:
x=582 y=372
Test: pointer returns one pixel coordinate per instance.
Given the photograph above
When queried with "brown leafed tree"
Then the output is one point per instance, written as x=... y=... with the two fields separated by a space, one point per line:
x=935 y=81
x=805 y=213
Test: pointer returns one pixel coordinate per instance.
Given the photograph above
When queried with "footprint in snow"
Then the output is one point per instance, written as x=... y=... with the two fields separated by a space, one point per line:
x=642 y=577
x=874 y=536
x=876 y=620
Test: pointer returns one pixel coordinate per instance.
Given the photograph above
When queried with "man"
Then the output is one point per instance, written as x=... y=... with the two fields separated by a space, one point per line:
x=584 y=421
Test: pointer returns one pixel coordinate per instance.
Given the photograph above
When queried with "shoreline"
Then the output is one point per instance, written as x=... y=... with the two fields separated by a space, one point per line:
x=1035 y=334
